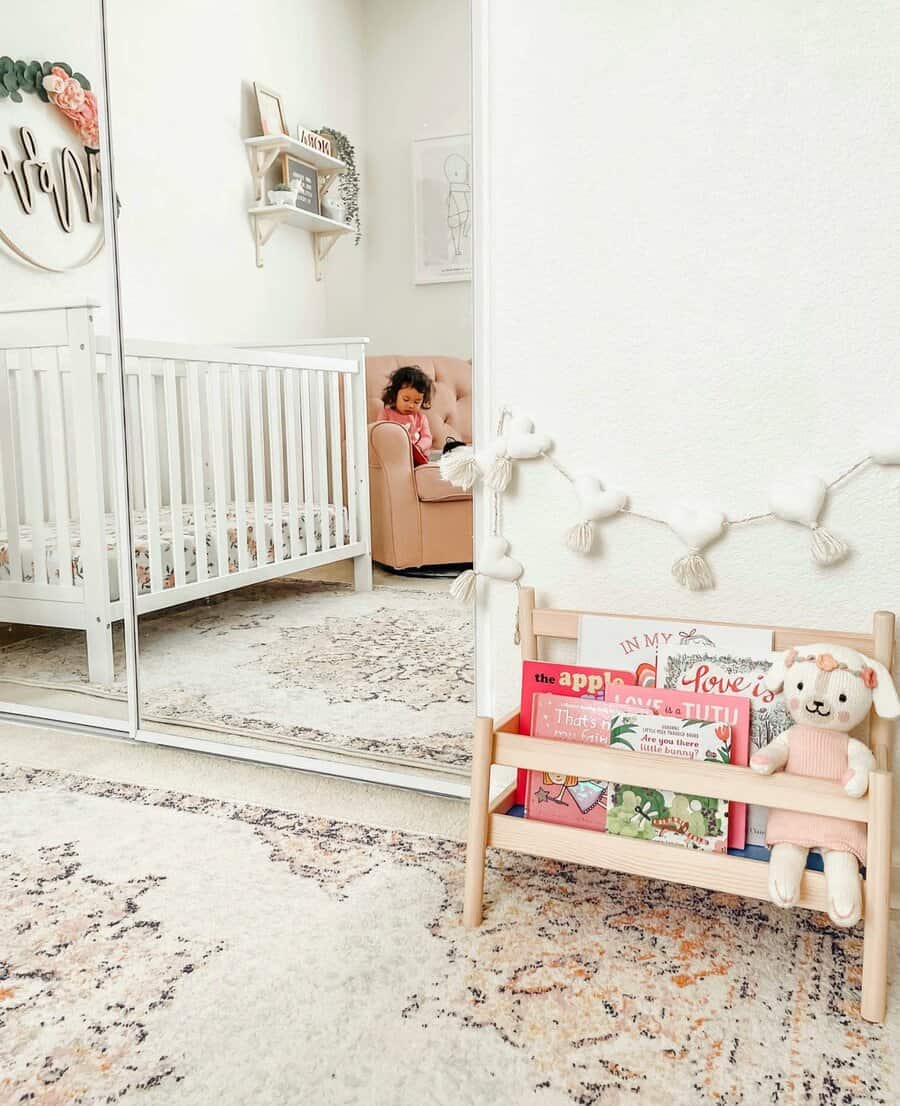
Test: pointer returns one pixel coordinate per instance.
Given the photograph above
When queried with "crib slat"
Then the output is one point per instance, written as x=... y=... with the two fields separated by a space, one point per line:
x=135 y=450
x=149 y=431
x=9 y=473
x=275 y=424
x=239 y=459
x=337 y=460
x=53 y=396
x=294 y=472
x=306 y=431
x=349 y=383
x=32 y=470
x=197 y=484
x=259 y=467
x=217 y=423
x=173 y=443
x=322 y=461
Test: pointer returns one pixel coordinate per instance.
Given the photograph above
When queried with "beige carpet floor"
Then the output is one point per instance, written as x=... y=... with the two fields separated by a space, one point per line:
x=383 y=677
x=161 y=946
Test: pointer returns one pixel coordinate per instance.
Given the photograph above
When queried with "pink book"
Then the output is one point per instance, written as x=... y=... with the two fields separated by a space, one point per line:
x=556 y=797
x=730 y=710
x=571 y=680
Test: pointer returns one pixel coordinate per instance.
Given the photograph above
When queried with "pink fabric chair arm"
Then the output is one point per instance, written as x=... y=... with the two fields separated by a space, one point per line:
x=396 y=515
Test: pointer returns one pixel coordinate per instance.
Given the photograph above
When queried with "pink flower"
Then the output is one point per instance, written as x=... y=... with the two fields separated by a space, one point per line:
x=869 y=677
x=790 y=657
x=70 y=97
x=825 y=662
x=53 y=84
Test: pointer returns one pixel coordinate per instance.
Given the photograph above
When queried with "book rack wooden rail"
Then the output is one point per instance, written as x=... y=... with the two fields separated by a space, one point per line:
x=500 y=743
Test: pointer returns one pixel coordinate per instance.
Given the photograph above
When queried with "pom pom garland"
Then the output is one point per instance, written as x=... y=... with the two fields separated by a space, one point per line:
x=459 y=467
x=580 y=537
x=692 y=571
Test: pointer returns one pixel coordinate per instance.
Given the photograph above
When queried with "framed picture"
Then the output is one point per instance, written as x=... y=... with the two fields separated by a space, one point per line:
x=271 y=113
x=297 y=173
x=442 y=208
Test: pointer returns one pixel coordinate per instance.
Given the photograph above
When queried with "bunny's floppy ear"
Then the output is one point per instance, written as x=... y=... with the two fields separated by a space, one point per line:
x=774 y=680
x=884 y=694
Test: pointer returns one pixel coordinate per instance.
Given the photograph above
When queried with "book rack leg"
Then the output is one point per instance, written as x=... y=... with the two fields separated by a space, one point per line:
x=877 y=899
x=482 y=752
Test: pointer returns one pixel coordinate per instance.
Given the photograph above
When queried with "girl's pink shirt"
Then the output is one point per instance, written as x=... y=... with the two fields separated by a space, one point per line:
x=416 y=423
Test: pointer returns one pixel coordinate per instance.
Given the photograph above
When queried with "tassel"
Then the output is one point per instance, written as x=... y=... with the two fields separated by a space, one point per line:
x=459 y=468
x=692 y=571
x=463 y=587
x=580 y=537
x=826 y=548
x=499 y=474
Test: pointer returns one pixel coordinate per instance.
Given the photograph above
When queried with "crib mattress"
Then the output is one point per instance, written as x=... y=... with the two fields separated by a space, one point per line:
x=142 y=545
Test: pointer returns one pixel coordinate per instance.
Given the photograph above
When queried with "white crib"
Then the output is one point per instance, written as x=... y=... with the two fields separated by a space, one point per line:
x=243 y=465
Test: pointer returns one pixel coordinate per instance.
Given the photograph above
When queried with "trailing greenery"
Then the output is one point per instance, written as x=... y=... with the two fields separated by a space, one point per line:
x=20 y=76
x=343 y=149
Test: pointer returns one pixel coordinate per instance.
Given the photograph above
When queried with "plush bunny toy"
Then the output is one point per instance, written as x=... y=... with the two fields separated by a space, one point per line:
x=828 y=690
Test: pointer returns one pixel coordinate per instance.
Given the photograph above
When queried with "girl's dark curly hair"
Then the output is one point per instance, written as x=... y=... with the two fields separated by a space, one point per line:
x=408 y=376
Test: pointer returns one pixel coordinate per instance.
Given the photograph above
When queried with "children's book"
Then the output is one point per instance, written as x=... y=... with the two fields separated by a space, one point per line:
x=655 y=814
x=577 y=681
x=633 y=642
x=652 y=814
x=698 y=672
x=730 y=710
x=570 y=800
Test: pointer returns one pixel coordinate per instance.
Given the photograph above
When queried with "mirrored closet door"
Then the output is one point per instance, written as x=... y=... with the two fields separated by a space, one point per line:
x=288 y=242
x=62 y=603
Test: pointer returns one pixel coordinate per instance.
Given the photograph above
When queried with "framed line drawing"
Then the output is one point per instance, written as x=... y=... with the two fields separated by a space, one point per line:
x=442 y=208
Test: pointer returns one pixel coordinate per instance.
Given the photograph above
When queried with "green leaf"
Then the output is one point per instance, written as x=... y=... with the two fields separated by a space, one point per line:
x=27 y=84
x=66 y=68
x=16 y=97
x=42 y=94
x=46 y=67
x=83 y=81
x=20 y=67
x=4 y=91
x=11 y=81
x=6 y=63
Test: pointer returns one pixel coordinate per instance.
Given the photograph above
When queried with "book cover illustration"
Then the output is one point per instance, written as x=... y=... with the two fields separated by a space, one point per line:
x=573 y=800
x=731 y=710
x=634 y=642
x=687 y=738
x=571 y=680
x=652 y=814
x=724 y=674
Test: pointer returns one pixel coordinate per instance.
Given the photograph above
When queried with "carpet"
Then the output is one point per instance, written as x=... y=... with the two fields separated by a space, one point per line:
x=168 y=949
x=385 y=675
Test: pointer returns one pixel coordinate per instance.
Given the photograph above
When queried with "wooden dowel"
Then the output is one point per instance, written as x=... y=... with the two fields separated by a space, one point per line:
x=482 y=745
x=527 y=636
x=877 y=898
x=881 y=730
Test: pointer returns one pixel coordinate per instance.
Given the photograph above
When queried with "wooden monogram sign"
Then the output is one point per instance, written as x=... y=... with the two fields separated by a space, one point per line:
x=72 y=184
x=317 y=142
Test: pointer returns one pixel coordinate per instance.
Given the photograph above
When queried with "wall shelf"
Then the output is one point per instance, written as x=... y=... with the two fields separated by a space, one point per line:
x=263 y=152
x=325 y=232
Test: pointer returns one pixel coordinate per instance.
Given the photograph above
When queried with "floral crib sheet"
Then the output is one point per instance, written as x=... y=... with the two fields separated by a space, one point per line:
x=142 y=545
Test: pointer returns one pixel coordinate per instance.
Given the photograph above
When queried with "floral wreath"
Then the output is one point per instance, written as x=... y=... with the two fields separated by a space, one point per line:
x=54 y=83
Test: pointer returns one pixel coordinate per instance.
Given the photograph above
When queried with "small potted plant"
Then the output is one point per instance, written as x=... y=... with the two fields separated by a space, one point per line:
x=282 y=195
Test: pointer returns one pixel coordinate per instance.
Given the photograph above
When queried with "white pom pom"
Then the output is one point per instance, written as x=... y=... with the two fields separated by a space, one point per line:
x=459 y=467
x=580 y=538
x=826 y=548
x=692 y=571
x=463 y=587
x=499 y=474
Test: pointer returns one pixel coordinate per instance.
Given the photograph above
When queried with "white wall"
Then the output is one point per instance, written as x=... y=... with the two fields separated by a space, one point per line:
x=695 y=290
x=418 y=85
x=181 y=92
x=51 y=32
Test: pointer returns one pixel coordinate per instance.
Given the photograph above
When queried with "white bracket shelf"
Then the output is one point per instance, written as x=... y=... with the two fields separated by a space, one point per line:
x=263 y=152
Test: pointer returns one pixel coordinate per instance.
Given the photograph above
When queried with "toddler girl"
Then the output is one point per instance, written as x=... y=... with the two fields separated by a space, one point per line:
x=407 y=395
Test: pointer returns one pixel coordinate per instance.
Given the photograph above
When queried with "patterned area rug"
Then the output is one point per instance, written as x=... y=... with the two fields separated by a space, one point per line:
x=168 y=949
x=384 y=675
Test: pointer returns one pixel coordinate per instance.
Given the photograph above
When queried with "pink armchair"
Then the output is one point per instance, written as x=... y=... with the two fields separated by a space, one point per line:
x=417 y=517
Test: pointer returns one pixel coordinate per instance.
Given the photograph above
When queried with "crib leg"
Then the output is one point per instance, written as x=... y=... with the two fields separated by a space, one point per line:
x=362 y=573
x=482 y=755
x=877 y=898
x=100 y=652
